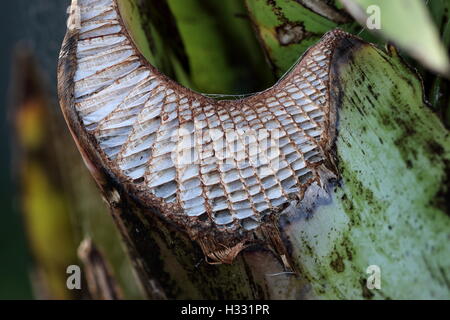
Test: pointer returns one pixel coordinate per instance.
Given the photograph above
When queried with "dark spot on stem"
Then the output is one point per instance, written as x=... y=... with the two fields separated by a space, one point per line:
x=366 y=293
x=292 y=33
x=442 y=197
x=409 y=164
x=337 y=264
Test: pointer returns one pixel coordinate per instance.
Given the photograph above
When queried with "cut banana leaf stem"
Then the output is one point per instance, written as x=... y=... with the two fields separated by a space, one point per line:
x=383 y=177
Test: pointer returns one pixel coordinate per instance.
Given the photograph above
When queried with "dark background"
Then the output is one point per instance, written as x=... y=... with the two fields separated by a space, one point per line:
x=40 y=26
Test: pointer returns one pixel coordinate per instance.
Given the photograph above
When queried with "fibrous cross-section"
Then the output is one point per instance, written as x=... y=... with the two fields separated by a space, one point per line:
x=224 y=166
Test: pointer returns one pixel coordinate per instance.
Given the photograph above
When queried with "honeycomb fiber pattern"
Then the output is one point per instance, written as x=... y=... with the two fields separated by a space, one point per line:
x=175 y=143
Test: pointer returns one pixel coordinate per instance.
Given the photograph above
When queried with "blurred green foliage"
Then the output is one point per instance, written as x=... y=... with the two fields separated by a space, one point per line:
x=409 y=25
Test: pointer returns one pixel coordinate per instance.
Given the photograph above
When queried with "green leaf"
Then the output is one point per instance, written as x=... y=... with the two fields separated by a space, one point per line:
x=286 y=28
x=222 y=51
x=408 y=24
